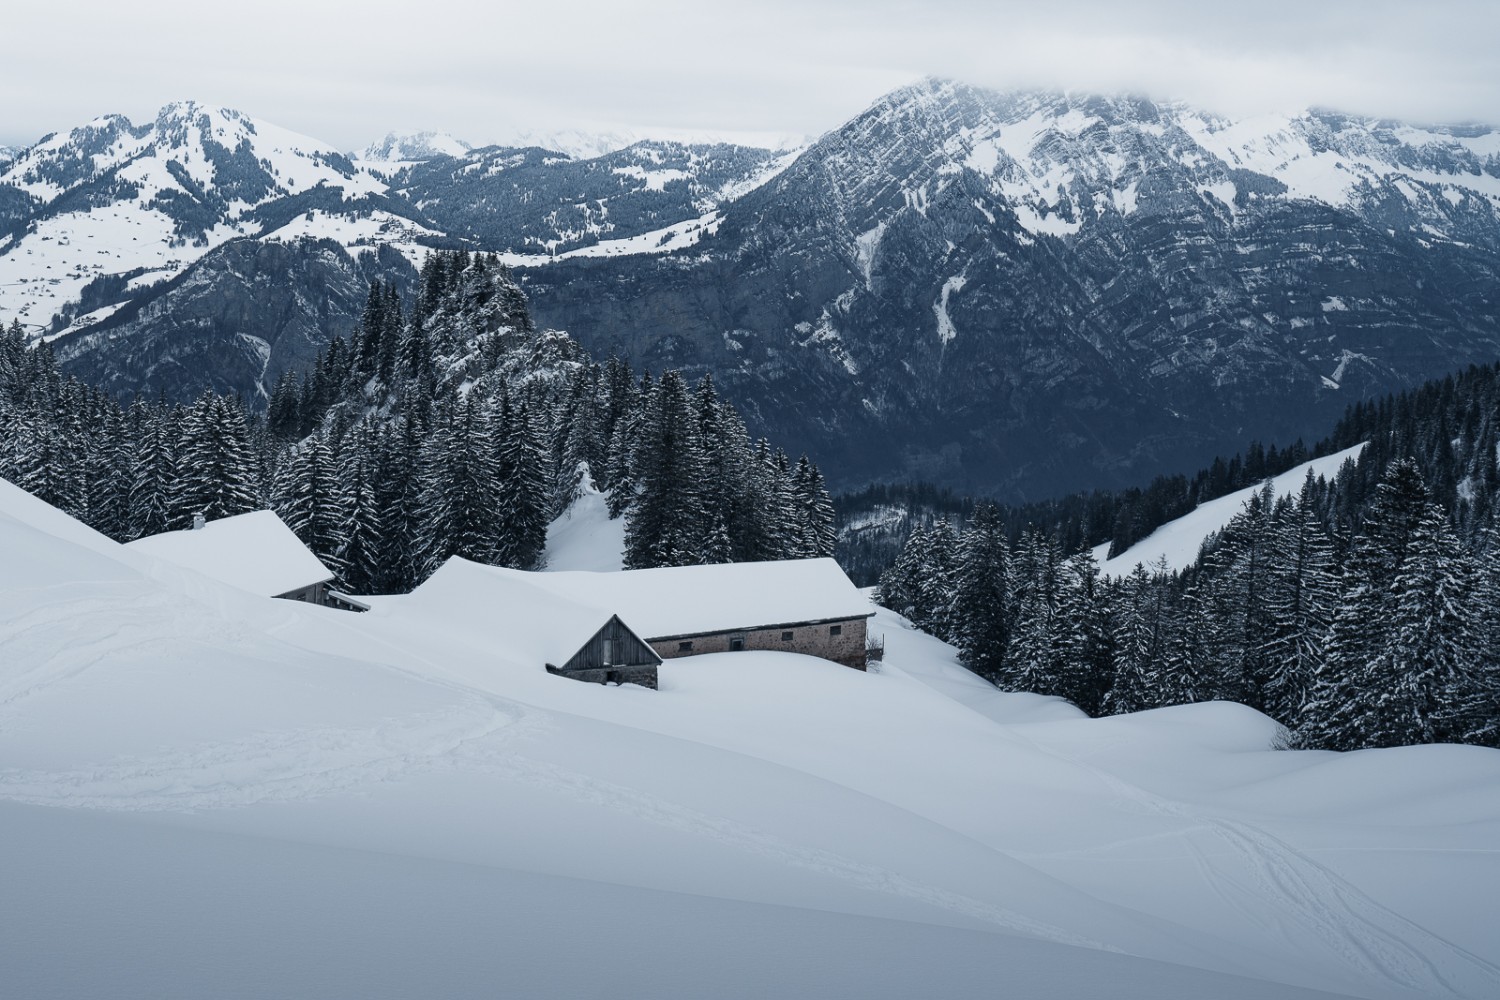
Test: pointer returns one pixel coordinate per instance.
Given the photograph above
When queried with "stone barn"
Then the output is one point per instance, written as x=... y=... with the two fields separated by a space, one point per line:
x=795 y=606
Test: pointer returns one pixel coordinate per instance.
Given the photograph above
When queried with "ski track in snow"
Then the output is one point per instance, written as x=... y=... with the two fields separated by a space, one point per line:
x=274 y=766
x=737 y=835
x=66 y=639
x=1384 y=947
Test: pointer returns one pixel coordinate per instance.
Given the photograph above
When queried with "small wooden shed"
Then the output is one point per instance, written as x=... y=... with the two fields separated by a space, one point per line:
x=612 y=655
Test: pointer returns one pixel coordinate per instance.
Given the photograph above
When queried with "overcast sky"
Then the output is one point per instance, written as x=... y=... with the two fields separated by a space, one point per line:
x=347 y=72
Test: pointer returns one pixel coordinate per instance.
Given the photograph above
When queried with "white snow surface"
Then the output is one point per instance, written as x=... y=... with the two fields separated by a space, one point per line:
x=536 y=625
x=208 y=793
x=946 y=330
x=359 y=233
x=668 y=239
x=584 y=537
x=1178 y=541
x=255 y=552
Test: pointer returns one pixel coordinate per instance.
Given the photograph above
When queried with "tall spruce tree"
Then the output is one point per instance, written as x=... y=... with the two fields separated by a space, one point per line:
x=1301 y=595
x=1345 y=709
x=458 y=509
x=359 y=532
x=1085 y=645
x=523 y=500
x=1140 y=641
x=980 y=594
x=668 y=522
x=1034 y=663
x=218 y=472
x=305 y=493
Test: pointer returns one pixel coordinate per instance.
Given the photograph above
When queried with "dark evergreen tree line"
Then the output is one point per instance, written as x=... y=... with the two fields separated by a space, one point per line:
x=454 y=428
x=1451 y=426
x=867 y=545
x=1383 y=635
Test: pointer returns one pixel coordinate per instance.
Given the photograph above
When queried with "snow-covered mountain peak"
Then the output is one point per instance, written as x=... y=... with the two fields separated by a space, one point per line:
x=112 y=198
x=412 y=146
x=1062 y=160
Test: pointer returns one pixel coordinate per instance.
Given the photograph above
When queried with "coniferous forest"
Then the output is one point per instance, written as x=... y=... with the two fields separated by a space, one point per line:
x=1362 y=612
x=447 y=427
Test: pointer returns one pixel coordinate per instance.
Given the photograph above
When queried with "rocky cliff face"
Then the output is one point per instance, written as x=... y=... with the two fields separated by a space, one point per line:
x=246 y=312
x=1025 y=293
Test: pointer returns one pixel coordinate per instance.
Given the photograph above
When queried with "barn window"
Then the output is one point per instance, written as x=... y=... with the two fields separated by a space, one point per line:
x=684 y=647
x=786 y=637
x=835 y=630
x=736 y=643
x=608 y=651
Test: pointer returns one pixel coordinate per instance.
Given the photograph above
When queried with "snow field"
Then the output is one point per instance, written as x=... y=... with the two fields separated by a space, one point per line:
x=247 y=797
x=584 y=537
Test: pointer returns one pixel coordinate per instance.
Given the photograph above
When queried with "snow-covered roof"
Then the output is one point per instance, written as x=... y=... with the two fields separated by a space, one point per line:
x=255 y=552
x=533 y=623
x=688 y=600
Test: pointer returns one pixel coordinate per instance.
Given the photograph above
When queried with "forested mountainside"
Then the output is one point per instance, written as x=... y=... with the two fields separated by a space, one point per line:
x=1361 y=612
x=452 y=427
x=1018 y=295
x=1450 y=424
x=874 y=523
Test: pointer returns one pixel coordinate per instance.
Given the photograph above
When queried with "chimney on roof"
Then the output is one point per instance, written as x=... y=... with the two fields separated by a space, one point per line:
x=197 y=522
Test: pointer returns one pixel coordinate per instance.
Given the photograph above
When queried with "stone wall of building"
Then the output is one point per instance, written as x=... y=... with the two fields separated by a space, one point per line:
x=845 y=646
x=645 y=676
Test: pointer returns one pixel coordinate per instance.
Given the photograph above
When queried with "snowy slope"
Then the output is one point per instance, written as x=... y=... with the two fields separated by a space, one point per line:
x=113 y=198
x=223 y=795
x=584 y=538
x=1178 y=541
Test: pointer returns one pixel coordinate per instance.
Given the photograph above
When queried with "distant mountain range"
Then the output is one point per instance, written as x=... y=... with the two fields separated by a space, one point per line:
x=403 y=146
x=1015 y=293
x=207 y=248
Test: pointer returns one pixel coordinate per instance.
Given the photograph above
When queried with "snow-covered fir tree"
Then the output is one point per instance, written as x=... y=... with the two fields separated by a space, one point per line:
x=453 y=426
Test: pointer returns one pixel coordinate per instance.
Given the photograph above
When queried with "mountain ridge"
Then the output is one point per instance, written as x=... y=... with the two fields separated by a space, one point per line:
x=951 y=249
x=1021 y=293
